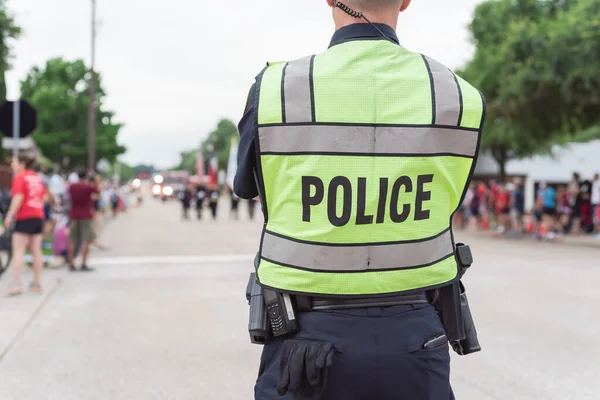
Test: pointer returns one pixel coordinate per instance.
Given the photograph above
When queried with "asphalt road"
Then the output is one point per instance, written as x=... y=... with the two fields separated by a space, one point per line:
x=165 y=317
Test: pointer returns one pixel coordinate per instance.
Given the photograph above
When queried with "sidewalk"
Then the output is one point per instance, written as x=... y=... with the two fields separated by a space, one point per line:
x=17 y=312
x=570 y=240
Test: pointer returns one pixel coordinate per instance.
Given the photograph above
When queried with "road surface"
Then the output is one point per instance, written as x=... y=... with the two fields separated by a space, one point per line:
x=165 y=317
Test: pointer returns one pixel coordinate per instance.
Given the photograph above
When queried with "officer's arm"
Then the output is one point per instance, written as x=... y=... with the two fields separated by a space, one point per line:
x=244 y=184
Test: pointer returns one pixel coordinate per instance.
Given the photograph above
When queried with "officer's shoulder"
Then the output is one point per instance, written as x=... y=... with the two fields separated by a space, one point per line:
x=434 y=63
x=274 y=63
x=282 y=63
x=269 y=65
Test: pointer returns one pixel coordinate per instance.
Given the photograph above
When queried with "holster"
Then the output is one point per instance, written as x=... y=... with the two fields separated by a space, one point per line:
x=450 y=310
x=470 y=343
x=453 y=307
x=258 y=325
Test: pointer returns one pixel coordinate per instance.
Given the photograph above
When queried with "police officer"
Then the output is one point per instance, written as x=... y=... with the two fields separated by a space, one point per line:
x=361 y=154
x=186 y=195
x=200 y=195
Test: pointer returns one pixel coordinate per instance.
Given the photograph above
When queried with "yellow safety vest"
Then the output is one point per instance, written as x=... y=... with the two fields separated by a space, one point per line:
x=366 y=151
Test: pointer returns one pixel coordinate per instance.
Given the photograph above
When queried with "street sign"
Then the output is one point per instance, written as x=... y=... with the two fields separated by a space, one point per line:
x=27 y=121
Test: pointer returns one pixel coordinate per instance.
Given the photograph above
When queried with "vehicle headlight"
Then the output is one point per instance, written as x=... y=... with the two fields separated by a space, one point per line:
x=167 y=190
x=156 y=189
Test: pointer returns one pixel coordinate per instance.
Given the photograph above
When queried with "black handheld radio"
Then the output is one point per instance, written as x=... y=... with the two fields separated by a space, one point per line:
x=280 y=312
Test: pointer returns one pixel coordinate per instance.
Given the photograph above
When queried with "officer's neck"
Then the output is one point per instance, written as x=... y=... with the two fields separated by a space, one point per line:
x=342 y=19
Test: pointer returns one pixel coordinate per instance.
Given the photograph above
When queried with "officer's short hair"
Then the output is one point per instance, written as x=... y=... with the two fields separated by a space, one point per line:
x=373 y=5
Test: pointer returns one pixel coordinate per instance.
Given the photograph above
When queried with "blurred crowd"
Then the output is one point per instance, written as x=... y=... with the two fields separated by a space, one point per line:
x=558 y=209
x=50 y=216
x=201 y=194
x=111 y=199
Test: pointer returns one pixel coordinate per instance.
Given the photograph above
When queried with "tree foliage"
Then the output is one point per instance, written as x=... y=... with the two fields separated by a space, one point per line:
x=537 y=64
x=220 y=139
x=143 y=169
x=60 y=94
x=125 y=171
x=9 y=30
x=187 y=162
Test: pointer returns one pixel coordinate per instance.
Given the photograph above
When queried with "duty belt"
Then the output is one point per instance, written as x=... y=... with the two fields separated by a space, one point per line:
x=306 y=303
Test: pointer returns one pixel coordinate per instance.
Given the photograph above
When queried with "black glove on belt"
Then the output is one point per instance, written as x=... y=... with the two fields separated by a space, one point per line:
x=303 y=369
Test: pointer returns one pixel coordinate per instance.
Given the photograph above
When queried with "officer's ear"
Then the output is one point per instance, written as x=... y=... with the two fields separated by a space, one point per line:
x=330 y=3
x=404 y=5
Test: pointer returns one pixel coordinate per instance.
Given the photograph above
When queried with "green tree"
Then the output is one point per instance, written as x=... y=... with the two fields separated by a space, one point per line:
x=60 y=94
x=8 y=31
x=125 y=171
x=220 y=139
x=143 y=169
x=187 y=162
x=536 y=63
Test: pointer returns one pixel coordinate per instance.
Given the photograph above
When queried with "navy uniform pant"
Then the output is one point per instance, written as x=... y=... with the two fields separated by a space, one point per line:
x=380 y=357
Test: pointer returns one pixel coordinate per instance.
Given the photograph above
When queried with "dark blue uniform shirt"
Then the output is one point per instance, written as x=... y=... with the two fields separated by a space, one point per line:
x=244 y=183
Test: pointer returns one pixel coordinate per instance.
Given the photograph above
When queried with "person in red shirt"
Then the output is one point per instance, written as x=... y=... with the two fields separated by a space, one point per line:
x=483 y=193
x=27 y=212
x=81 y=225
x=502 y=206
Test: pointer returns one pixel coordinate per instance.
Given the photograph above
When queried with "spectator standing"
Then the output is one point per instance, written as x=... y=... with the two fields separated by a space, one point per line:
x=585 y=193
x=475 y=205
x=484 y=210
x=538 y=210
x=563 y=209
x=493 y=213
x=458 y=219
x=49 y=207
x=549 y=205
x=596 y=202
x=114 y=200
x=517 y=206
x=502 y=206
x=27 y=211
x=73 y=177
x=41 y=171
x=97 y=208
x=81 y=225
x=575 y=201
x=124 y=195
x=57 y=186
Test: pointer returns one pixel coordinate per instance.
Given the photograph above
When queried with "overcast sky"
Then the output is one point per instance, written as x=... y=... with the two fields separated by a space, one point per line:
x=173 y=68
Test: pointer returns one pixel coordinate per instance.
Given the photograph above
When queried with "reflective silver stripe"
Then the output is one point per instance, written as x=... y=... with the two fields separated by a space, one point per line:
x=355 y=258
x=296 y=91
x=447 y=96
x=367 y=140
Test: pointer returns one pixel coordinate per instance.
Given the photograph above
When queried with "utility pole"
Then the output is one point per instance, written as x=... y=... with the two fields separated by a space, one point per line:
x=92 y=93
x=16 y=126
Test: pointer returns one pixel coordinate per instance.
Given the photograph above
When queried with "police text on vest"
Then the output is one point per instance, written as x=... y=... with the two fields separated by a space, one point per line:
x=313 y=193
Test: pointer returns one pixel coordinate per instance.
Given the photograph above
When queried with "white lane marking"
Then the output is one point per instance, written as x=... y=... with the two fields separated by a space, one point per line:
x=171 y=259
